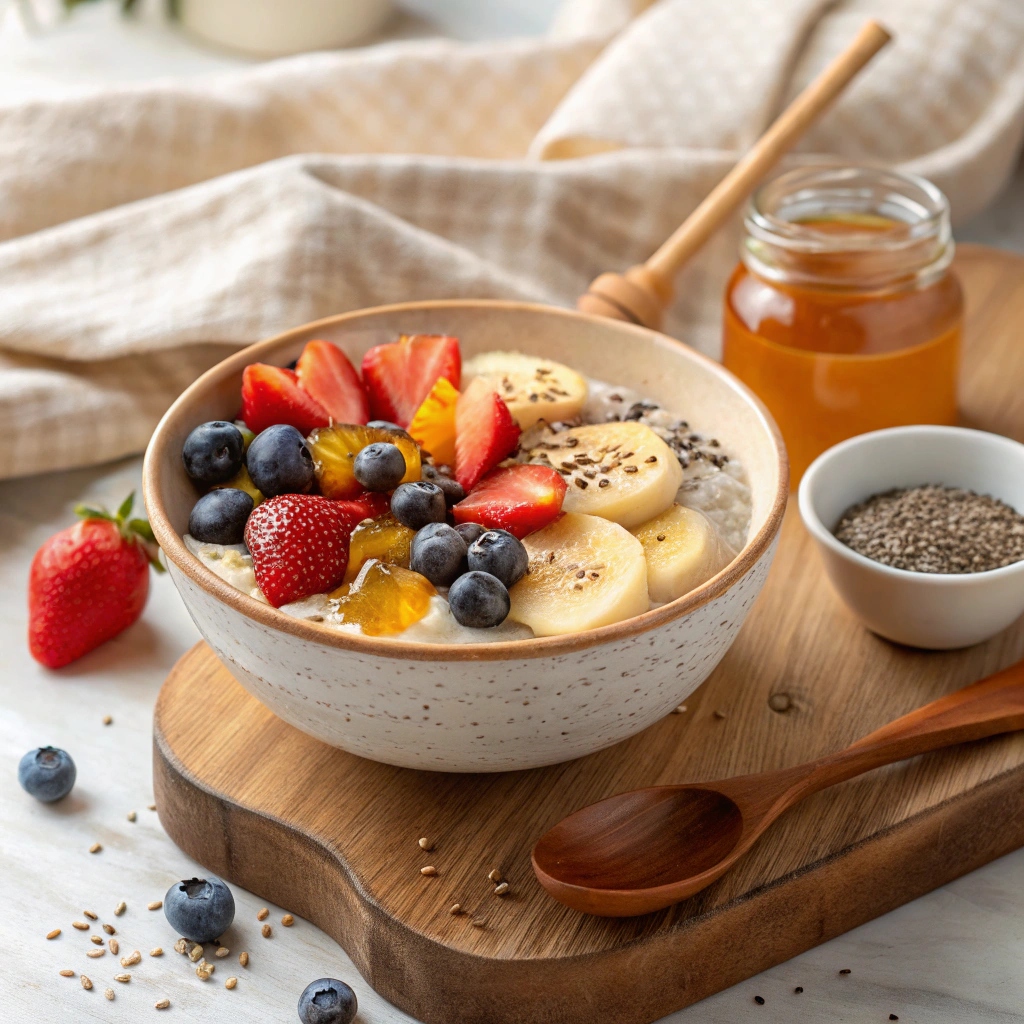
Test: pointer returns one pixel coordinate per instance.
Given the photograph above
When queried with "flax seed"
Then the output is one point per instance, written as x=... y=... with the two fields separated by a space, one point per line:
x=80 y=925
x=501 y=889
x=163 y=1004
x=120 y=908
x=155 y=905
x=231 y=983
x=195 y=952
x=425 y=844
x=479 y=922
x=243 y=959
x=86 y=983
x=494 y=876
x=132 y=959
x=287 y=920
x=53 y=934
x=109 y=993
x=66 y=973
x=131 y=815
x=204 y=970
x=123 y=978
x=223 y=951
x=108 y=719
x=263 y=914
x=89 y=914
x=110 y=929
x=96 y=940
x=150 y=807
x=429 y=870
x=456 y=908
x=157 y=951
x=181 y=946
x=114 y=947
x=266 y=931
x=681 y=710
x=95 y=848
x=94 y=953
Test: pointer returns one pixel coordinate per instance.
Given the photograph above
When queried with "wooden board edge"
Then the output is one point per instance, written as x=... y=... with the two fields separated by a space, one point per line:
x=635 y=984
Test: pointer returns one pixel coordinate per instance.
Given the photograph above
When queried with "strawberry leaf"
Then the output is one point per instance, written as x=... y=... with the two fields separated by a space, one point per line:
x=126 y=508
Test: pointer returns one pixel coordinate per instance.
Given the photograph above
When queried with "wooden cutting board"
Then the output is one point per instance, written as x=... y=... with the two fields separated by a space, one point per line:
x=334 y=838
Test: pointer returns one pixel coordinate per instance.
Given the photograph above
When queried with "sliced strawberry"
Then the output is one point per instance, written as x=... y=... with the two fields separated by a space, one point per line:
x=326 y=375
x=485 y=432
x=520 y=499
x=271 y=394
x=399 y=376
x=299 y=544
x=371 y=504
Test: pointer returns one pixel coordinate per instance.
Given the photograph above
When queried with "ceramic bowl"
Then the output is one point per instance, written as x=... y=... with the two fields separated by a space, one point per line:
x=482 y=707
x=937 y=612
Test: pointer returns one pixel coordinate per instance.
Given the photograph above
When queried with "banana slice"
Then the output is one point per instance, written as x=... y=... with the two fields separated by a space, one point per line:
x=619 y=471
x=532 y=388
x=683 y=551
x=584 y=572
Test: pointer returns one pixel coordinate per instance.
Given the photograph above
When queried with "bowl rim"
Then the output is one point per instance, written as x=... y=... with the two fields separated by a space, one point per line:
x=185 y=562
x=825 y=537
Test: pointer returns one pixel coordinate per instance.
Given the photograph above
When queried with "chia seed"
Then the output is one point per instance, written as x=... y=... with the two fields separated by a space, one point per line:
x=934 y=529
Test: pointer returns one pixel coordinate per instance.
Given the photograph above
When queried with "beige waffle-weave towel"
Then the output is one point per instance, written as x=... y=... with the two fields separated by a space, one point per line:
x=146 y=231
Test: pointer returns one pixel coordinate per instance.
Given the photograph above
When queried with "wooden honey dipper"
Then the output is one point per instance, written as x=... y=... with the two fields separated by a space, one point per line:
x=644 y=291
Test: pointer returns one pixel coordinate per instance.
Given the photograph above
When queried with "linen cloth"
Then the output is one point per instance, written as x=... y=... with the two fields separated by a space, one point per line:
x=147 y=231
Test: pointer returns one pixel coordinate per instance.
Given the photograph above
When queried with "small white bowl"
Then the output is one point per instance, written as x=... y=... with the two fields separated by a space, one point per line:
x=937 y=612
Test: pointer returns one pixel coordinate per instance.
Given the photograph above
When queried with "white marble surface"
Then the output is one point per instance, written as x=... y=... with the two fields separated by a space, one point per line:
x=948 y=958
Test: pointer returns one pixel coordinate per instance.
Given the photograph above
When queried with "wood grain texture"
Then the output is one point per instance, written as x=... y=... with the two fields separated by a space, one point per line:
x=334 y=838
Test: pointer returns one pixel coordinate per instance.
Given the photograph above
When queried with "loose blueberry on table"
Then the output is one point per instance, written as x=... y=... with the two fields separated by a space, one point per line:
x=327 y=1001
x=200 y=909
x=48 y=774
x=416 y=486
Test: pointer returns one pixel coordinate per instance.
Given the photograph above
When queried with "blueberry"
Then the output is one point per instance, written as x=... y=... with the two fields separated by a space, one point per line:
x=48 y=774
x=416 y=504
x=379 y=466
x=200 y=909
x=453 y=492
x=327 y=1001
x=470 y=531
x=279 y=461
x=439 y=553
x=219 y=517
x=213 y=452
x=388 y=425
x=479 y=600
x=500 y=554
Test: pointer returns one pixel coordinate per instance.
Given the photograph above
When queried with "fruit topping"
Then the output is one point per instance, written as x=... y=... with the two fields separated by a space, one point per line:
x=433 y=425
x=439 y=553
x=379 y=466
x=531 y=387
x=327 y=1001
x=501 y=554
x=241 y=481
x=383 y=538
x=213 y=452
x=280 y=462
x=335 y=449
x=485 y=432
x=519 y=499
x=299 y=545
x=399 y=376
x=383 y=599
x=271 y=394
x=418 y=503
x=619 y=471
x=469 y=531
x=373 y=504
x=683 y=551
x=48 y=774
x=247 y=435
x=326 y=375
x=479 y=600
x=88 y=583
x=440 y=475
x=201 y=908
x=584 y=572
x=220 y=516
x=393 y=428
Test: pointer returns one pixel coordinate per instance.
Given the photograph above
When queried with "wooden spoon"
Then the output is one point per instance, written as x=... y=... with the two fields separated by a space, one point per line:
x=644 y=850
x=642 y=293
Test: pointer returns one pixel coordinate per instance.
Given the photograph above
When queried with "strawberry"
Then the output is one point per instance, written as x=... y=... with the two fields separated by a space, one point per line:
x=372 y=503
x=88 y=583
x=326 y=375
x=272 y=395
x=485 y=432
x=397 y=377
x=520 y=499
x=299 y=544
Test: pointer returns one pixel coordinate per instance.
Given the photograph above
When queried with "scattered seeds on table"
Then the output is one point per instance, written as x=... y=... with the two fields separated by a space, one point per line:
x=95 y=848
x=156 y=951
x=114 y=947
x=456 y=908
x=243 y=959
x=195 y=952
x=108 y=719
x=181 y=946
x=429 y=870
x=204 y=970
x=155 y=905
x=479 y=922
x=123 y=978
x=89 y=914
x=262 y=915
x=798 y=989
x=222 y=951
x=132 y=959
x=150 y=807
x=80 y=925
x=845 y=970
x=287 y=920
x=67 y=973
x=759 y=1000
x=96 y=940
x=892 y=1016
x=681 y=710
x=719 y=715
x=231 y=983
x=162 y=1004
x=95 y=953
x=120 y=908
x=425 y=844
x=266 y=931
x=494 y=876
x=501 y=889
x=109 y=993
x=131 y=815
x=86 y=983
x=53 y=934
x=110 y=929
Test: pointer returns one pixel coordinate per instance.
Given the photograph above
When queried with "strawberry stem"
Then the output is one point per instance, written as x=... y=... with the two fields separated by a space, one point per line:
x=135 y=531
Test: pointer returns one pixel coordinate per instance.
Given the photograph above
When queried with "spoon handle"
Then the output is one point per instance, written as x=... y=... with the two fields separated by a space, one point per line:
x=991 y=706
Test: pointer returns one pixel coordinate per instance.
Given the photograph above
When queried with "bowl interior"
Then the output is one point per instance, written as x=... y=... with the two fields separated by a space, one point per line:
x=676 y=376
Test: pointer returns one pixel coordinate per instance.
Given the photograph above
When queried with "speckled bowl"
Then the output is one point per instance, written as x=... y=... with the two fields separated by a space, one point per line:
x=482 y=707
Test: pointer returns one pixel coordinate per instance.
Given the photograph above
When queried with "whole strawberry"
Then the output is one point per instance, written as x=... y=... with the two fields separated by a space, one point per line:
x=88 y=583
x=299 y=544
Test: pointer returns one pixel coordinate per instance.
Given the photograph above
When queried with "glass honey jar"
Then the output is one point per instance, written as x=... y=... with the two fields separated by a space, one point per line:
x=843 y=314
